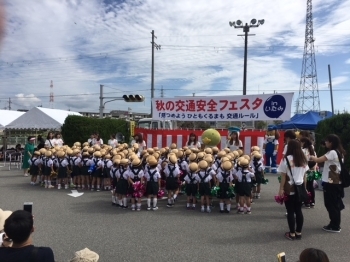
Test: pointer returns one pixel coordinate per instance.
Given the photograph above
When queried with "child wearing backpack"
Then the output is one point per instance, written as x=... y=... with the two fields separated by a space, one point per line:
x=62 y=169
x=135 y=175
x=191 y=180
x=123 y=183
x=224 y=181
x=48 y=169
x=172 y=173
x=97 y=174
x=258 y=167
x=84 y=170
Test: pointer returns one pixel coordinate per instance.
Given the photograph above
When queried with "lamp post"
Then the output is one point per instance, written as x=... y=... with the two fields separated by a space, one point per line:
x=246 y=27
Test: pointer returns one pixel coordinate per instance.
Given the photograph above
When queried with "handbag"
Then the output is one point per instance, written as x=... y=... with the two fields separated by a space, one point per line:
x=299 y=190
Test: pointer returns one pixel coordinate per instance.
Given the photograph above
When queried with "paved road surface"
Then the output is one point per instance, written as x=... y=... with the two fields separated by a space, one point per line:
x=68 y=224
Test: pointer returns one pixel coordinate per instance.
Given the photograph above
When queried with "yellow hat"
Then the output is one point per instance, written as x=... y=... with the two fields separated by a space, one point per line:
x=162 y=151
x=136 y=162
x=255 y=148
x=195 y=150
x=192 y=157
x=244 y=162
x=155 y=148
x=156 y=155
x=240 y=152
x=76 y=151
x=174 y=151
x=203 y=164
x=215 y=149
x=173 y=159
x=91 y=150
x=236 y=153
x=180 y=154
x=61 y=154
x=85 y=144
x=86 y=154
x=116 y=161
x=188 y=152
x=257 y=156
x=209 y=159
x=97 y=154
x=193 y=166
x=227 y=150
x=152 y=161
x=150 y=151
x=77 y=144
x=108 y=156
x=208 y=150
x=246 y=157
x=221 y=153
x=225 y=158
x=227 y=165
x=42 y=151
x=48 y=153
x=185 y=148
x=173 y=146
x=97 y=147
x=200 y=155
x=124 y=161
x=37 y=153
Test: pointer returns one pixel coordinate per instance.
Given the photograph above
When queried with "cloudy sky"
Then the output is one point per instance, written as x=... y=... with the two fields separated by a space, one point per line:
x=81 y=44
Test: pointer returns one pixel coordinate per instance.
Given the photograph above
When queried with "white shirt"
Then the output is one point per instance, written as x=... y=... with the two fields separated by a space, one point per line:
x=107 y=163
x=260 y=165
x=220 y=177
x=50 y=143
x=184 y=165
x=36 y=161
x=86 y=162
x=249 y=175
x=193 y=176
x=193 y=145
x=113 y=172
x=125 y=174
x=91 y=141
x=48 y=162
x=97 y=162
x=142 y=146
x=140 y=173
x=156 y=176
x=202 y=174
x=63 y=162
x=176 y=171
x=298 y=172
x=58 y=142
x=98 y=142
x=285 y=150
x=113 y=143
x=233 y=147
x=332 y=160
x=75 y=161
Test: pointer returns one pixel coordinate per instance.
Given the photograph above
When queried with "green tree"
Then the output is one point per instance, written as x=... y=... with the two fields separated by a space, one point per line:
x=260 y=124
x=339 y=125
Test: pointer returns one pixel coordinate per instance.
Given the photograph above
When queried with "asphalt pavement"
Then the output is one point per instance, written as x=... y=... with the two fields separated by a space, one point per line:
x=67 y=224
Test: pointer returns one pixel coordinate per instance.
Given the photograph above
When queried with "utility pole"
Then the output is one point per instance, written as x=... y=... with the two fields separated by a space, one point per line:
x=9 y=103
x=154 y=45
x=101 y=101
x=330 y=87
x=246 y=27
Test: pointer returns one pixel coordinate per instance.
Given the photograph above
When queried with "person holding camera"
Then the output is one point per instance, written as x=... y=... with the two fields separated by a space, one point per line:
x=18 y=228
x=333 y=192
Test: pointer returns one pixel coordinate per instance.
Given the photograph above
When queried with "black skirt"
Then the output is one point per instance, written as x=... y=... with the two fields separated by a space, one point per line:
x=122 y=187
x=84 y=171
x=171 y=183
x=152 y=188
x=34 y=170
x=244 y=189
x=76 y=171
x=204 y=189
x=191 y=189
x=223 y=193
x=258 y=177
x=97 y=173
x=62 y=172
x=47 y=171
x=106 y=172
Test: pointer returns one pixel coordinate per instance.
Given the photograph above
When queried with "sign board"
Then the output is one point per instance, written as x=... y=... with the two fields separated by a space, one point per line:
x=224 y=108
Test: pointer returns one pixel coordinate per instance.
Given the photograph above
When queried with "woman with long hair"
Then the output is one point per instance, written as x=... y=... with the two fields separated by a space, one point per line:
x=234 y=143
x=142 y=143
x=332 y=189
x=295 y=158
x=50 y=140
x=193 y=141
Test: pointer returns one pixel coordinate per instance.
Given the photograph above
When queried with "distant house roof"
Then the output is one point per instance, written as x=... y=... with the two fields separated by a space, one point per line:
x=41 y=118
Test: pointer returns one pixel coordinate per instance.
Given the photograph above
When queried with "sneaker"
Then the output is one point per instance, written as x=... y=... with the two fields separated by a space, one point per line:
x=226 y=211
x=258 y=197
x=312 y=205
x=92 y=189
x=307 y=206
x=66 y=187
x=208 y=210
x=202 y=209
x=193 y=208
x=98 y=190
x=25 y=175
x=289 y=236
x=50 y=186
x=148 y=208
x=155 y=208
x=132 y=209
x=138 y=209
x=332 y=230
x=248 y=212
x=125 y=207
x=59 y=187
x=168 y=205
x=188 y=208
x=241 y=212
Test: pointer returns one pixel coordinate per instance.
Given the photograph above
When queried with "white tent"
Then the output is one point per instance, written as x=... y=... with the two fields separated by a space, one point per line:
x=7 y=116
x=41 y=118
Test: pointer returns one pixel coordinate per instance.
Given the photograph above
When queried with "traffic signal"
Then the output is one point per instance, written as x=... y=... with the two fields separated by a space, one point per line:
x=132 y=128
x=133 y=98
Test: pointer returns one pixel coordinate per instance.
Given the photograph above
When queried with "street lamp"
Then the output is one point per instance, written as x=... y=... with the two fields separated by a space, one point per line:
x=239 y=24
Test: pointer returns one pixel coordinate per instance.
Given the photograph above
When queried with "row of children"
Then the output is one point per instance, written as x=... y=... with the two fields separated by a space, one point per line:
x=122 y=167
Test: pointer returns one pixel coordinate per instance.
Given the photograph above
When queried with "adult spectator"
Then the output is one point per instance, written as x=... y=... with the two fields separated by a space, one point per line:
x=193 y=141
x=313 y=255
x=288 y=135
x=113 y=142
x=142 y=143
x=28 y=152
x=85 y=255
x=4 y=240
x=295 y=158
x=91 y=140
x=19 y=227
x=58 y=140
x=40 y=142
x=332 y=189
x=98 y=140
x=50 y=140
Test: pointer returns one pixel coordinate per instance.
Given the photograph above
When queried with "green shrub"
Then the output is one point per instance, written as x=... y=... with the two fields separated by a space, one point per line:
x=339 y=125
x=79 y=128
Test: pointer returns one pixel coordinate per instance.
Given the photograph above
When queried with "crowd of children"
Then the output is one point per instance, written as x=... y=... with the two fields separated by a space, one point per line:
x=121 y=169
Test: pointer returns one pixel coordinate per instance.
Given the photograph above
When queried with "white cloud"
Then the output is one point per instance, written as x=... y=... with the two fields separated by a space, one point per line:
x=82 y=44
x=26 y=101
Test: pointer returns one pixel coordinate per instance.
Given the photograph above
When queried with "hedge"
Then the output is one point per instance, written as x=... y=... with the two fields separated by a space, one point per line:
x=339 y=125
x=80 y=128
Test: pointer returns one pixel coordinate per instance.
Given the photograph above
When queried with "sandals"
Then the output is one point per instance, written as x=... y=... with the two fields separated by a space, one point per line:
x=289 y=236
